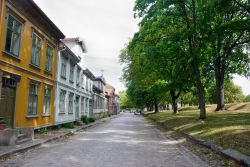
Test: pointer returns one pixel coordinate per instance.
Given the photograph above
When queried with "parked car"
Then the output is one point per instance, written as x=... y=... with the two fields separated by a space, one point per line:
x=137 y=112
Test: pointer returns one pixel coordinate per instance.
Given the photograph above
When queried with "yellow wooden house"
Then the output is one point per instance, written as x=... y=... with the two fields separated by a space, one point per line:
x=29 y=43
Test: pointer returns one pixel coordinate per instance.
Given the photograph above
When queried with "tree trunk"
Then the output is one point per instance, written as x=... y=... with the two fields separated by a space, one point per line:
x=201 y=94
x=219 y=77
x=156 y=106
x=174 y=101
x=194 y=51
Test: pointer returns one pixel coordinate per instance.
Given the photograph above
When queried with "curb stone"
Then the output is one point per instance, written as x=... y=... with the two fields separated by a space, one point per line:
x=238 y=157
x=36 y=144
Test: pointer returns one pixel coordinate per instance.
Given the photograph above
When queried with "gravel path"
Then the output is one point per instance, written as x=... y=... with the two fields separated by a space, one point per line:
x=126 y=141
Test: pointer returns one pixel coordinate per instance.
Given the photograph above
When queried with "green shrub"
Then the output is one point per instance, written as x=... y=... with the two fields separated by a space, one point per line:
x=2 y=121
x=91 y=119
x=85 y=119
x=42 y=130
x=69 y=125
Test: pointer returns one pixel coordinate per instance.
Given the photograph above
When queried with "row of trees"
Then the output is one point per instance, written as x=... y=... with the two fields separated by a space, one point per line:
x=186 y=46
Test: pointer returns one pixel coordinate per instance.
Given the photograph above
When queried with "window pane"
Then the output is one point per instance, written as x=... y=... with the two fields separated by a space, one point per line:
x=49 y=55
x=17 y=27
x=35 y=105
x=36 y=50
x=13 y=36
x=15 y=44
x=8 y=40
x=30 y=105
x=10 y=22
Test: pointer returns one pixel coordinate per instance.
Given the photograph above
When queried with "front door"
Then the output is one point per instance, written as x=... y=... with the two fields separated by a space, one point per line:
x=7 y=101
x=77 y=107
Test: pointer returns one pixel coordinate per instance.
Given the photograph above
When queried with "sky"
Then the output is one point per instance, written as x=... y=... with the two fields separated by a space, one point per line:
x=105 y=25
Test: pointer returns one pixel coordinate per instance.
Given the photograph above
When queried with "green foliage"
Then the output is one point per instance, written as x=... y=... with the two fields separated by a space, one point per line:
x=125 y=102
x=2 y=121
x=91 y=120
x=247 y=98
x=182 y=45
x=85 y=119
x=190 y=98
x=233 y=93
x=43 y=130
x=69 y=125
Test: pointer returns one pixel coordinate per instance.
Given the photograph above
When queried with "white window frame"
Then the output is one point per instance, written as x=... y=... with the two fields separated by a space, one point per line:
x=78 y=73
x=71 y=103
x=47 y=100
x=71 y=72
x=62 y=97
x=63 y=67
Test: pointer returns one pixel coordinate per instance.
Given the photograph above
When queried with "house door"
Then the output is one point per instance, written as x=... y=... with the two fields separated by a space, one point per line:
x=77 y=107
x=7 y=101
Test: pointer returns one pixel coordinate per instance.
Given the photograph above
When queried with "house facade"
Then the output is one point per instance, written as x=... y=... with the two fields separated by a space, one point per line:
x=110 y=94
x=74 y=84
x=113 y=99
x=28 y=47
x=117 y=104
x=88 y=103
x=100 y=103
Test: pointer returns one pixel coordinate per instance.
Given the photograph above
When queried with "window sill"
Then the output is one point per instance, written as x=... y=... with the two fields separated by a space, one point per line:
x=35 y=66
x=61 y=113
x=46 y=115
x=62 y=77
x=6 y=53
x=48 y=72
x=70 y=113
x=31 y=116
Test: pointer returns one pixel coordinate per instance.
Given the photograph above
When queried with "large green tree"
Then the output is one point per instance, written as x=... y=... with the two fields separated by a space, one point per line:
x=229 y=37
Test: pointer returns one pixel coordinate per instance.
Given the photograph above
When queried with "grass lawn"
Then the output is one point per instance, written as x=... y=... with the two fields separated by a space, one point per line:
x=229 y=129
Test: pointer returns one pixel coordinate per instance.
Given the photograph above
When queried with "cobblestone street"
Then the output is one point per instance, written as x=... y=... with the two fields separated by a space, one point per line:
x=126 y=141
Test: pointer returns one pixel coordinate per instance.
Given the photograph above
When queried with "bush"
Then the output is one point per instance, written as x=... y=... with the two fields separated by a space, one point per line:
x=91 y=119
x=43 y=130
x=247 y=98
x=69 y=125
x=2 y=121
x=85 y=119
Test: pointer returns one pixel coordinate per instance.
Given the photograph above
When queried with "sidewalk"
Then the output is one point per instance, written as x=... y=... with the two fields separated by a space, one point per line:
x=40 y=139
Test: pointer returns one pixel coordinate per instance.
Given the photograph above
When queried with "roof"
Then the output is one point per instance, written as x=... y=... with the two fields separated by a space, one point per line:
x=100 y=78
x=89 y=74
x=32 y=10
x=78 y=40
x=69 y=51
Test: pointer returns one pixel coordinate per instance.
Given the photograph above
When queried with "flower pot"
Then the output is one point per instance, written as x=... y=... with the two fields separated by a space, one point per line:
x=2 y=126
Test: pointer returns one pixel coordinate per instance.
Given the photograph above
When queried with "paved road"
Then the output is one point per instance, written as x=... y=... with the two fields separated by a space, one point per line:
x=126 y=141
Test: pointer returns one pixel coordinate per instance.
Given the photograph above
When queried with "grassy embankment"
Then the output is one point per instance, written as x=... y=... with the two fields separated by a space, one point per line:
x=229 y=128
